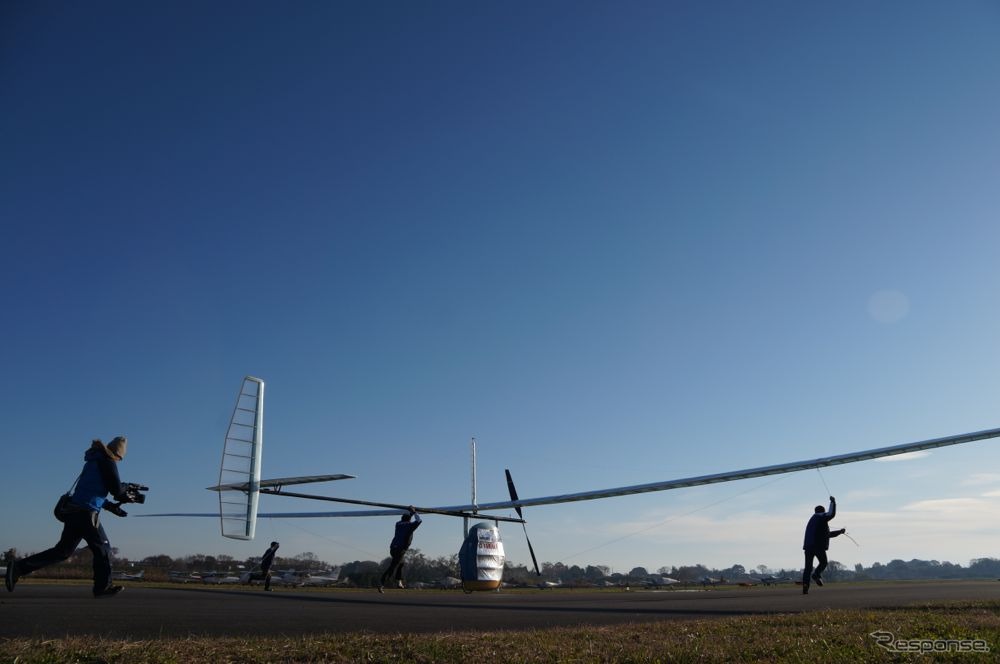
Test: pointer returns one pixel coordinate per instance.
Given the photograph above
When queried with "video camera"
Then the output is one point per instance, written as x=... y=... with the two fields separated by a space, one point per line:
x=132 y=493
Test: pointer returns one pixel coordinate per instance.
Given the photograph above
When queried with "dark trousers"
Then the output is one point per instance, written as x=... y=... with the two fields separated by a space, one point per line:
x=267 y=578
x=395 y=565
x=82 y=525
x=808 y=571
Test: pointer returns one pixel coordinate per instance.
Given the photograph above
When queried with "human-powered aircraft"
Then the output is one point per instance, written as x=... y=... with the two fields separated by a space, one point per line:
x=481 y=556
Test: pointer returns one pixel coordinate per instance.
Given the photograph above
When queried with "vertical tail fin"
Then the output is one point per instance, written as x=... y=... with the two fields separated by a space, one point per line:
x=241 y=457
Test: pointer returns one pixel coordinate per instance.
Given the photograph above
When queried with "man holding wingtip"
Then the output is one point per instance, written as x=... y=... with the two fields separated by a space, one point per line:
x=397 y=548
x=816 y=543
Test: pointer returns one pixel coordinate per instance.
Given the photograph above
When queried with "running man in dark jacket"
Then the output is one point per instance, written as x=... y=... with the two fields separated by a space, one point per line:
x=82 y=522
x=400 y=543
x=816 y=543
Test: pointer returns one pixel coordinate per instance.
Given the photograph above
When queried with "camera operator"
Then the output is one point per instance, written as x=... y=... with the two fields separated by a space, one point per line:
x=81 y=518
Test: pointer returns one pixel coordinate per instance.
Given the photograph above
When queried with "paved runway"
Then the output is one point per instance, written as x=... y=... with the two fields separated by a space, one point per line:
x=53 y=611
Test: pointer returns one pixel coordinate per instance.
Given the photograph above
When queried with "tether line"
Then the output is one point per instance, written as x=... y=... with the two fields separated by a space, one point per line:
x=821 y=479
x=374 y=556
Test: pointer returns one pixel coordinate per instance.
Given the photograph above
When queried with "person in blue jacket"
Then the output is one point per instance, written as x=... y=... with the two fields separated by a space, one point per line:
x=816 y=543
x=97 y=480
x=397 y=548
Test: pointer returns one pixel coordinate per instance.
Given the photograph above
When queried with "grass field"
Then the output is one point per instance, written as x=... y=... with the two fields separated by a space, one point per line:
x=825 y=636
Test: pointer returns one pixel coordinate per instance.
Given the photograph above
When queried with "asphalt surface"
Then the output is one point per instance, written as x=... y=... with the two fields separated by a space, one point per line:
x=54 y=611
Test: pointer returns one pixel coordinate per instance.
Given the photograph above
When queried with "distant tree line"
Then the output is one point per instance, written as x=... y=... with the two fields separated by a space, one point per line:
x=420 y=568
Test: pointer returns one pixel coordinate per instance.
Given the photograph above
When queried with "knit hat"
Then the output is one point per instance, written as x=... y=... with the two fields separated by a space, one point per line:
x=117 y=447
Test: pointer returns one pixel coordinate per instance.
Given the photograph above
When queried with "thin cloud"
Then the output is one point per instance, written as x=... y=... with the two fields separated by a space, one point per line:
x=859 y=495
x=982 y=478
x=888 y=306
x=942 y=528
x=948 y=505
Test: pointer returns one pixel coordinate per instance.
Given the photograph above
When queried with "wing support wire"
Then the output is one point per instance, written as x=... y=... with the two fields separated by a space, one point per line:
x=393 y=506
x=239 y=473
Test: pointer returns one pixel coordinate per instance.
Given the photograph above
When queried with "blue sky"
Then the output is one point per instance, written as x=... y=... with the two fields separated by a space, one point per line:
x=615 y=242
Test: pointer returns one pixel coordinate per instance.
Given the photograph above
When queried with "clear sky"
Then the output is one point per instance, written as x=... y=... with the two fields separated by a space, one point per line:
x=615 y=242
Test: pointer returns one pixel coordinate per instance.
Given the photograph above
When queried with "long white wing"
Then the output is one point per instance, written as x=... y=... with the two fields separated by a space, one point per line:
x=667 y=485
x=762 y=471
x=240 y=485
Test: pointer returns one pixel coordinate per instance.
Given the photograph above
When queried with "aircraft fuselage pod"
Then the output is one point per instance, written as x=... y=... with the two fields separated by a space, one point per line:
x=481 y=558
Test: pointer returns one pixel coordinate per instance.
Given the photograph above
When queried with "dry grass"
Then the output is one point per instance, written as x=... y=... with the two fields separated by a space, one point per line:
x=825 y=636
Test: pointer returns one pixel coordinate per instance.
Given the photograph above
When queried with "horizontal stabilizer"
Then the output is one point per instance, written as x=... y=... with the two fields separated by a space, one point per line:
x=280 y=482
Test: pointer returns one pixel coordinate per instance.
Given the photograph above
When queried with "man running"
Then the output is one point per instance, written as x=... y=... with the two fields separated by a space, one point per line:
x=81 y=518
